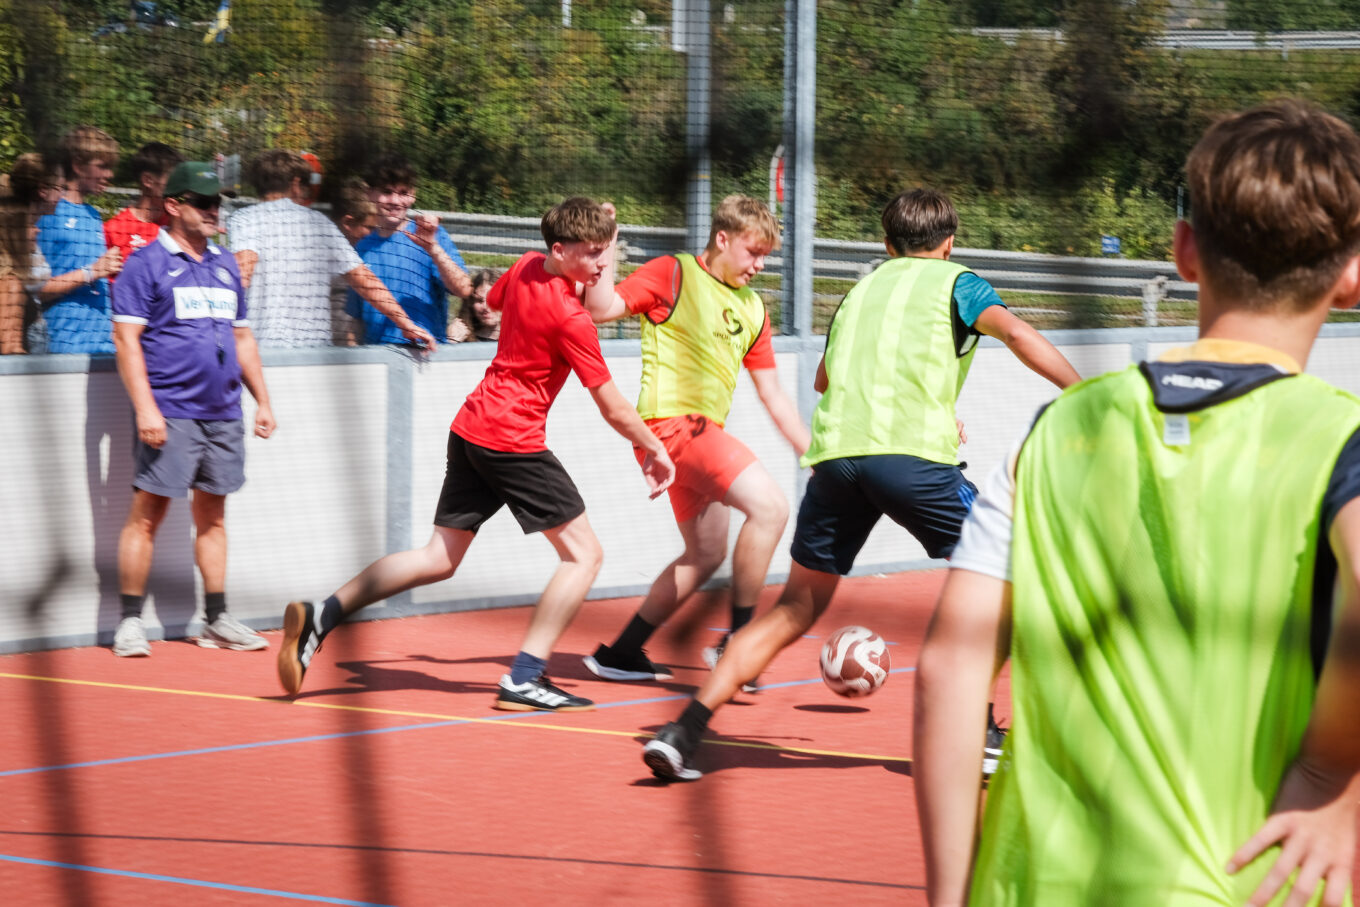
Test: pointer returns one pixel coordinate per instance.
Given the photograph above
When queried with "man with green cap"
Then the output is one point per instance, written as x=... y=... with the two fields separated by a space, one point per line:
x=184 y=347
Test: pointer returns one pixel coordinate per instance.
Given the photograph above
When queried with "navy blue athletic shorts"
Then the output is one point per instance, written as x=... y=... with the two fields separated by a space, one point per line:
x=478 y=481
x=845 y=497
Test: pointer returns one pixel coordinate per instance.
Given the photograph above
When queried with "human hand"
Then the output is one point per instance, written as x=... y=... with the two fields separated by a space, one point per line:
x=963 y=435
x=613 y=213
x=108 y=264
x=151 y=428
x=1313 y=821
x=426 y=231
x=264 y=421
x=458 y=330
x=659 y=472
x=419 y=336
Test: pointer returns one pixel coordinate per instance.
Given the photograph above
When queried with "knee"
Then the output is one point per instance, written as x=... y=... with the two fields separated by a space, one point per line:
x=771 y=513
x=588 y=554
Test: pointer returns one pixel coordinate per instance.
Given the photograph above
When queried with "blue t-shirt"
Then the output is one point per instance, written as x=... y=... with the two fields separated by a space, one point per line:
x=973 y=296
x=412 y=277
x=189 y=310
x=71 y=238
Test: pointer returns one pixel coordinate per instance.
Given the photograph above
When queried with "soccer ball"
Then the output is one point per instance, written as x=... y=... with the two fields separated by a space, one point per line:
x=855 y=661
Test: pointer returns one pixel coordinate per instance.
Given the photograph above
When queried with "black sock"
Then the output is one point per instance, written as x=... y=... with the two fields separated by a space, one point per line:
x=214 y=605
x=742 y=616
x=331 y=614
x=132 y=605
x=694 y=719
x=634 y=635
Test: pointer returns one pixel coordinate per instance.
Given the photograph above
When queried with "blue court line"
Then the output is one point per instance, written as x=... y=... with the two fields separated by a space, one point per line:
x=206 y=751
x=196 y=883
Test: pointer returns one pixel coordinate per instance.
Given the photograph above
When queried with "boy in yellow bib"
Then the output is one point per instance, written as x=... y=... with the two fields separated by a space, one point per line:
x=1172 y=564
x=701 y=322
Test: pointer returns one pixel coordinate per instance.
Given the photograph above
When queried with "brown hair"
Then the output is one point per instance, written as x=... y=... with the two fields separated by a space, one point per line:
x=738 y=214
x=29 y=173
x=274 y=171
x=154 y=157
x=1275 y=203
x=352 y=200
x=918 y=220
x=577 y=219
x=84 y=144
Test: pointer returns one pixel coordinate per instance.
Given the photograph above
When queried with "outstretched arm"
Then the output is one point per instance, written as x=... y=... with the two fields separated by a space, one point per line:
x=964 y=648
x=1313 y=820
x=1028 y=345
x=373 y=291
x=781 y=409
x=623 y=418
x=600 y=299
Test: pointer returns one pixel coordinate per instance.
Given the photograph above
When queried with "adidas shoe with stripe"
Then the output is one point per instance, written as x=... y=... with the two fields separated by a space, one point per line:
x=537 y=695
x=301 y=638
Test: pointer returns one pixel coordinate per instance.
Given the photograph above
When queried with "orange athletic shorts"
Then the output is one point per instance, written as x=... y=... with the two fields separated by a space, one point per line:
x=707 y=461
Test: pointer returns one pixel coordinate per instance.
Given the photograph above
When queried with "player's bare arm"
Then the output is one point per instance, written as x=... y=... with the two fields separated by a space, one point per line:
x=600 y=299
x=966 y=644
x=623 y=418
x=426 y=235
x=1314 y=817
x=783 y=411
x=1028 y=345
x=252 y=376
x=373 y=291
x=127 y=345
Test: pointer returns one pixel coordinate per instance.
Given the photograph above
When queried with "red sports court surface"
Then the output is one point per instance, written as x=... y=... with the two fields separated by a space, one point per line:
x=186 y=778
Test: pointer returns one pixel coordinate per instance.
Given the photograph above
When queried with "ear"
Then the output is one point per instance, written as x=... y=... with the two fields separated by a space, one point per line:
x=1185 y=251
x=1346 y=291
x=948 y=247
x=721 y=240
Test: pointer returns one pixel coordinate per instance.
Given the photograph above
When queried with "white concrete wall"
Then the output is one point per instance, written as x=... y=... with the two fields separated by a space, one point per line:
x=356 y=465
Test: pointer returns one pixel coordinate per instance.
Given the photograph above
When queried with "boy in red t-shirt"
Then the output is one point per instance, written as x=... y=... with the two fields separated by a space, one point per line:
x=138 y=223
x=497 y=455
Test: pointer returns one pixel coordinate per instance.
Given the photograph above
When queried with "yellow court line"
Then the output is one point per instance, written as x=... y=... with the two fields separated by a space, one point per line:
x=398 y=713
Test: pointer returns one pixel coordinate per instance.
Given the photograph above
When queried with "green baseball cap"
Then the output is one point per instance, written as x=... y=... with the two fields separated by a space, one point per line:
x=198 y=177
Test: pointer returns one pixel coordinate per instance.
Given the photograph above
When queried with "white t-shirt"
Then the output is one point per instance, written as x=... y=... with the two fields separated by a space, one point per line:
x=984 y=545
x=300 y=251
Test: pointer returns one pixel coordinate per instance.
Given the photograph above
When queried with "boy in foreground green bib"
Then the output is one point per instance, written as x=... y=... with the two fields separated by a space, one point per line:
x=1159 y=563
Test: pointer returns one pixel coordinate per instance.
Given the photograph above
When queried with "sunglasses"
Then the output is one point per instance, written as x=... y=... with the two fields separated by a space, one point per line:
x=201 y=202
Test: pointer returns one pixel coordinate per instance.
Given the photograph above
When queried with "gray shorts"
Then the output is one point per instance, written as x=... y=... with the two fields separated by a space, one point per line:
x=206 y=454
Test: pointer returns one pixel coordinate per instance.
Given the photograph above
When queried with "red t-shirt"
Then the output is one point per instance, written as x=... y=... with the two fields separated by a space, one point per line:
x=652 y=291
x=128 y=232
x=545 y=333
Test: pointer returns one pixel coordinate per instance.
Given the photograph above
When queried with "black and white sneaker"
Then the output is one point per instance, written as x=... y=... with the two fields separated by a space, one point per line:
x=301 y=638
x=668 y=754
x=540 y=695
x=991 y=752
x=713 y=653
x=609 y=664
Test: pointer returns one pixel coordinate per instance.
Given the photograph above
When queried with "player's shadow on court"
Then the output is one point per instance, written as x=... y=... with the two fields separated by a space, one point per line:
x=378 y=676
x=571 y=666
x=722 y=753
x=831 y=709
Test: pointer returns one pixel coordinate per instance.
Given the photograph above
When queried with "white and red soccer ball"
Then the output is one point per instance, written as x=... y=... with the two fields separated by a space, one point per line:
x=855 y=661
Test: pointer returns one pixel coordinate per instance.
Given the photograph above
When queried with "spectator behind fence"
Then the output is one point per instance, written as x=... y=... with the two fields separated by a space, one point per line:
x=356 y=216
x=288 y=255
x=76 y=304
x=32 y=188
x=416 y=259
x=476 y=320
x=184 y=350
x=138 y=223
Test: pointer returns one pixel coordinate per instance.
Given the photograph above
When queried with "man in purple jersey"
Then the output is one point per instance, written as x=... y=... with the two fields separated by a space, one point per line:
x=184 y=348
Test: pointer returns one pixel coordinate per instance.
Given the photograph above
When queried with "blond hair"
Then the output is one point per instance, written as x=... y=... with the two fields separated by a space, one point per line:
x=740 y=214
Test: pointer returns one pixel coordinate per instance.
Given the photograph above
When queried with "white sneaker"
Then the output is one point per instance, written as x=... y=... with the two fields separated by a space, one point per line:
x=130 y=638
x=712 y=654
x=229 y=633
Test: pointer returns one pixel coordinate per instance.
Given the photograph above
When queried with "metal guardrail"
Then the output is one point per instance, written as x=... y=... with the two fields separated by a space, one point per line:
x=1206 y=38
x=837 y=259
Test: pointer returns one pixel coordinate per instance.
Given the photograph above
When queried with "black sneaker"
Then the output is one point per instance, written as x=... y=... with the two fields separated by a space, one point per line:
x=713 y=653
x=668 y=754
x=991 y=751
x=301 y=639
x=609 y=664
x=538 y=695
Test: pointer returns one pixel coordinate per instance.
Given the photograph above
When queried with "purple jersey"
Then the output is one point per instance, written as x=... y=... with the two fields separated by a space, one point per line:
x=189 y=310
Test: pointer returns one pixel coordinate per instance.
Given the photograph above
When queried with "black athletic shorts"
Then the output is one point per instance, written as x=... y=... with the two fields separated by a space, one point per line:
x=478 y=480
x=845 y=497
